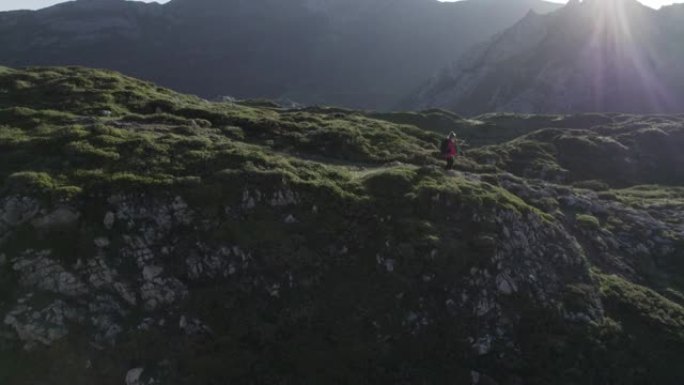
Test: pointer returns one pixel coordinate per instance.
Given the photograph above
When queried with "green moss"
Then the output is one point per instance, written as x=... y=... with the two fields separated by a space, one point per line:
x=644 y=305
x=90 y=152
x=615 y=223
x=547 y=204
x=588 y=221
x=595 y=185
x=578 y=143
x=31 y=181
x=394 y=182
x=480 y=131
x=10 y=136
x=651 y=195
x=30 y=118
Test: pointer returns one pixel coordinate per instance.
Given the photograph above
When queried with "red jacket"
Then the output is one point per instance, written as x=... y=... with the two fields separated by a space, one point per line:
x=451 y=149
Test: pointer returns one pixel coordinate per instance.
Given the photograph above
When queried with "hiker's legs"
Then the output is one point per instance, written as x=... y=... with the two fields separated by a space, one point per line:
x=450 y=163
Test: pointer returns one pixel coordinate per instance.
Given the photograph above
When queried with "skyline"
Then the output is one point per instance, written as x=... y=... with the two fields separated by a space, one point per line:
x=651 y=3
x=9 y=5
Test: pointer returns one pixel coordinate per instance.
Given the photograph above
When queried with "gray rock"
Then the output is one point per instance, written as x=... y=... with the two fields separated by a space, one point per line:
x=162 y=291
x=208 y=263
x=284 y=198
x=41 y=327
x=505 y=284
x=39 y=271
x=109 y=220
x=61 y=217
x=390 y=265
x=133 y=377
x=152 y=272
x=101 y=242
x=192 y=327
x=483 y=345
x=18 y=210
x=474 y=377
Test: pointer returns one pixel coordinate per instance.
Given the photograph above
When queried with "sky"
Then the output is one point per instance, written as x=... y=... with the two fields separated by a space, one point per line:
x=6 y=5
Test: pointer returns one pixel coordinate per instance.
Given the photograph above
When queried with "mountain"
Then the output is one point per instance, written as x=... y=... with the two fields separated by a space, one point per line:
x=150 y=237
x=366 y=54
x=595 y=55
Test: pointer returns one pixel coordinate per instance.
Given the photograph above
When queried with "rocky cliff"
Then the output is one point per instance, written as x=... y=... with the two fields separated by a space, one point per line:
x=148 y=237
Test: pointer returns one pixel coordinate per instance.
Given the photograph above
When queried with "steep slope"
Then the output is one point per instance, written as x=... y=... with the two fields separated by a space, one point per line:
x=593 y=56
x=366 y=54
x=151 y=237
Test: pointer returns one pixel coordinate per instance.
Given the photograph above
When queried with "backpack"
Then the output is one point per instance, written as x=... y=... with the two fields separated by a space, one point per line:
x=445 y=147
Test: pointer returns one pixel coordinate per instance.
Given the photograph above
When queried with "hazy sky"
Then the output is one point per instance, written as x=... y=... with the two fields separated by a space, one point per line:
x=6 y=5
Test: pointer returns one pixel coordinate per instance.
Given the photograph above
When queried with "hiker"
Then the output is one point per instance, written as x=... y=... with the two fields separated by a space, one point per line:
x=450 y=150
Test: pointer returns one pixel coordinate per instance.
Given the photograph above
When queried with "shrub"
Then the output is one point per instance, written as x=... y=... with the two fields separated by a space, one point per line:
x=548 y=204
x=644 y=303
x=90 y=152
x=395 y=182
x=30 y=181
x=588 y=221
x=161 y=118
x=595 y=185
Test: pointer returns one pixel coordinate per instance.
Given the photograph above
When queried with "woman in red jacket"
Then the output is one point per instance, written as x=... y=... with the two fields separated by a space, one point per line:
x=449 y=150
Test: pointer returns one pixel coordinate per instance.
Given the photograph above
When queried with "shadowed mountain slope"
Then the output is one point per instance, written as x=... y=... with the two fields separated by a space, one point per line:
x=366 y=54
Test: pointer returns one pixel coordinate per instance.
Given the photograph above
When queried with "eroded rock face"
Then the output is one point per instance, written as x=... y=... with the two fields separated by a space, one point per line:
x=59 y=218
x=15 y=211
x=44 y=326
x=36 y=269
x=94 y=291
x=137 y=377
x=156 y=264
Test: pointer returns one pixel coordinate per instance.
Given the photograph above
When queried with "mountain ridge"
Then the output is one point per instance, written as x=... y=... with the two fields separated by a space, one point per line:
x=366 y=57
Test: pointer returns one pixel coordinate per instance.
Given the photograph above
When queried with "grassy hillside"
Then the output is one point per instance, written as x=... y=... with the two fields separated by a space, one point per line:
x=160 y=238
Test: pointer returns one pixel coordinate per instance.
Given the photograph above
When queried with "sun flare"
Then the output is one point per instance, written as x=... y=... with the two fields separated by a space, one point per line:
x=619 y=49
